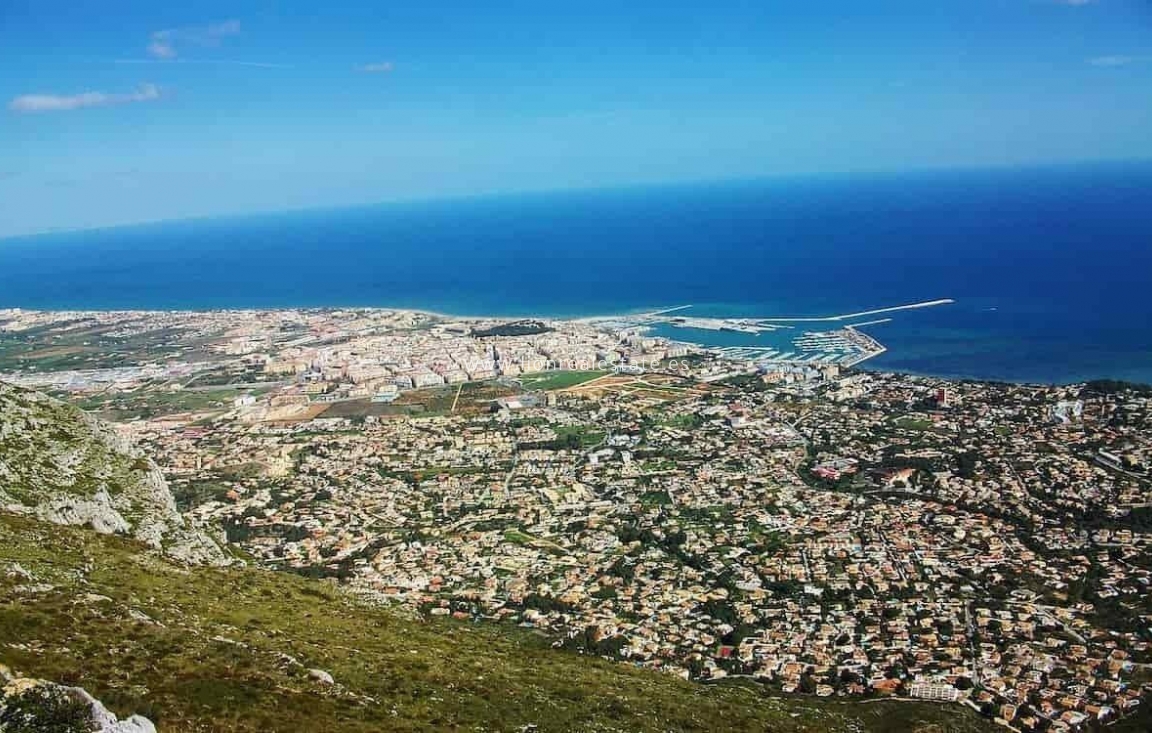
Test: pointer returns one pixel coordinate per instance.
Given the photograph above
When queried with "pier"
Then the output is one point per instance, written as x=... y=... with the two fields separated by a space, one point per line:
x=861 y=314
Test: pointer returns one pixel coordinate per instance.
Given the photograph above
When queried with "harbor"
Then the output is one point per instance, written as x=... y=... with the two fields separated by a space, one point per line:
x=845 y=345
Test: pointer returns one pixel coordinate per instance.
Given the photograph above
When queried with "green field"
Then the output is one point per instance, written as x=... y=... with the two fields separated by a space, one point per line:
x=151 y=403
x=229 y=650
x=559 y=378
x=52 y=349
x=475 y=397
x=578 y=436
x=918 y=424
x=517 y=537
x=683 y=421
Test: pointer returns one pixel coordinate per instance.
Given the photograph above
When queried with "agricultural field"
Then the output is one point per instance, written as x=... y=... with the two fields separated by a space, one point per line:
x=559 y=379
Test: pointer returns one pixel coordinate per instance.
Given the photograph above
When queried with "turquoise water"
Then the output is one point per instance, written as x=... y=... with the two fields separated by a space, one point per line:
x=1051 y=268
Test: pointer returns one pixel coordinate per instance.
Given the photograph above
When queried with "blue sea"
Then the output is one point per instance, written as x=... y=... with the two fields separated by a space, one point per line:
x=1051 y=268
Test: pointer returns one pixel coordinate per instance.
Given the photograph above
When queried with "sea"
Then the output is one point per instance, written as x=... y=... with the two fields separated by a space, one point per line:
x=1050 y=267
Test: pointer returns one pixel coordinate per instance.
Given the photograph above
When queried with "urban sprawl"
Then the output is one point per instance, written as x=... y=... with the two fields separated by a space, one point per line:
x=817 y=528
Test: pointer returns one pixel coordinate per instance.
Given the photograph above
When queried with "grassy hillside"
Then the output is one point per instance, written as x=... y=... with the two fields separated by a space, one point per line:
x=229 y=650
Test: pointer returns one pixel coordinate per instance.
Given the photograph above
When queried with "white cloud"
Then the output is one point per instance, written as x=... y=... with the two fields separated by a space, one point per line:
x=204 y=62
x=163 y=44
x=65 y=102
x=382 y=67
x=1112 y=60
x=161 y=49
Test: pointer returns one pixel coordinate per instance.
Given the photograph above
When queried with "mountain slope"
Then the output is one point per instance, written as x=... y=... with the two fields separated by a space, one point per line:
x=63 y=466
x=241 y=649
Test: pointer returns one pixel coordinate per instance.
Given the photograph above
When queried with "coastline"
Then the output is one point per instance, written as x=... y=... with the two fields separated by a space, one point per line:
x=657 y=316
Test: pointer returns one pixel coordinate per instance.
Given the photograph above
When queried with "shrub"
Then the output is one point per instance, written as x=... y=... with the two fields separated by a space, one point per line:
x=45 y=709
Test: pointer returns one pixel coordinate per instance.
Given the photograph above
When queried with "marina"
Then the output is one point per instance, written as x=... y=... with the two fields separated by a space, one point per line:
x=845 y=346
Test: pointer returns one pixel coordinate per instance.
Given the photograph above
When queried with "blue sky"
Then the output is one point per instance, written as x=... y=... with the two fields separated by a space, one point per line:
x=120 y=112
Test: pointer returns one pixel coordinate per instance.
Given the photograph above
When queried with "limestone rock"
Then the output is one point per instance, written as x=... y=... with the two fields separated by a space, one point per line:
x=17 y=572
x=53 y=698
x=63 y=466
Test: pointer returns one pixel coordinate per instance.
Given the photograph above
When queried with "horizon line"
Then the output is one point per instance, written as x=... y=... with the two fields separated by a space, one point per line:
x=607 y=187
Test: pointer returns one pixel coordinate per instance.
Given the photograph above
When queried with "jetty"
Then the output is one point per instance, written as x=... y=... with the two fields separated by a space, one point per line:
x=861 y=314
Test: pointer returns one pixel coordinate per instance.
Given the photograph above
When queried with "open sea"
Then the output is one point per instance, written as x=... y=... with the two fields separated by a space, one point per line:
x=1051 y=268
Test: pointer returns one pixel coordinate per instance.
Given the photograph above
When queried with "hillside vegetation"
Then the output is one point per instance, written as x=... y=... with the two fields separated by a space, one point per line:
x=240 y=649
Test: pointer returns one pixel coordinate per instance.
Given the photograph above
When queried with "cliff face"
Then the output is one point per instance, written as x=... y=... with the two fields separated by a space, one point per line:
x=63 y=466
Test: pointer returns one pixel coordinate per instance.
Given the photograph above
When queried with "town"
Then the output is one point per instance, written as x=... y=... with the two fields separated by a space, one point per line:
x=818 y=529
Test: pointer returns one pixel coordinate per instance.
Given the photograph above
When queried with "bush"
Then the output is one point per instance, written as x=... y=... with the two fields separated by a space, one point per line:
x=45 y=709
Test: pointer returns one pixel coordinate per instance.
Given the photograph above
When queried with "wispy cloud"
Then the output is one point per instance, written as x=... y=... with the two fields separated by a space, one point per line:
x=161 y=47
x=206 y=62
x=166 y=43
x=1074 y=2
x=66 y=102
x=1108 y=61
x=382 y=67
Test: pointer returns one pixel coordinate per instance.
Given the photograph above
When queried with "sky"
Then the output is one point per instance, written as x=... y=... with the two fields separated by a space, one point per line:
x=120 y=112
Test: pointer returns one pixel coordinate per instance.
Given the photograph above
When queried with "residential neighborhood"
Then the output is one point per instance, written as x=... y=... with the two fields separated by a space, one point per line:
x=820 y=531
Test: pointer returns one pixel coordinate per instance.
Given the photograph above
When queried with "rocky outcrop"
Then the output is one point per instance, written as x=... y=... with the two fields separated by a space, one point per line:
x=321 y=676
x=28 y=704
x=63 y=466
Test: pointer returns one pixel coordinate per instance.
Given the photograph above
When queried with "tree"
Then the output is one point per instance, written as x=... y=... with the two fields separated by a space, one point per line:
x=966 y=463
x=807 y=683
